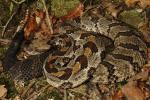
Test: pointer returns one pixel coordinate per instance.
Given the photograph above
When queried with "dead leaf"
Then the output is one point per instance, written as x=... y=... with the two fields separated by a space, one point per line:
x=31 y=26
x=113 y=9
x=17 y=98
x=1 y=67
x=78 y=11
x=145 y=89
x=37 y=23
x=131 y=3
x=148 y=50
x=142 y=3
x=118 y=95
x=143 y=26
x=132 y=92
x=142 y=76
x=3 y=91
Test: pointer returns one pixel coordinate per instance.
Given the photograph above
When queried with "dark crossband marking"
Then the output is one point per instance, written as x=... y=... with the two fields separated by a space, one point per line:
x=67 y=74
x=113 y=31
x=84 y=35
x=116 y=24
x=132 y=53
x=130 y=32
x=76 y=68
x=122 y=68
x=109 y=66
x=136 y=67
x=130 y=40
x=82 y=59
x=134 y=47
x=92 y=46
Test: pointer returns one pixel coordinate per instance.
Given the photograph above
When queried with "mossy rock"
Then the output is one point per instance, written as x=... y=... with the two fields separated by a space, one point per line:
x=131 y=17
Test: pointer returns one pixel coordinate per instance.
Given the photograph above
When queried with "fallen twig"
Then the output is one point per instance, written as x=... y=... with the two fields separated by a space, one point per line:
x=1 y=26
x=18 y=2
x=36 y=94
x=5 y=41
x=77 y=92
x=1 y=68
x=10 y=19
x=47 y=17
x=65 y=94
x=29 y=86
x=6 y=25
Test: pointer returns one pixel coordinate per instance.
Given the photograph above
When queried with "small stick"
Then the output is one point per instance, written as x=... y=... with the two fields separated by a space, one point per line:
x=72 y=90
x=10 y=19
x=16 y=2
x=5 y=41
x=65 y=94
x=6 y=25
x=26 y=90
x=47 y=17
x=1 y=26
x=38 y=92
x=1 y=68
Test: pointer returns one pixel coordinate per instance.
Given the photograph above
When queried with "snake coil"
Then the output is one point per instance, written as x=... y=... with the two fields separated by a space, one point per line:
x=83 y=55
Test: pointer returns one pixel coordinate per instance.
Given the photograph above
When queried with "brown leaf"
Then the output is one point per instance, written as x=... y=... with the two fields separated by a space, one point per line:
x=131 y=3
x=148 y=54
x=42 y=22
x=31 y=26
x=74 y=13
x=118 y=95
x=148 y=50
x=37 y=23
x=142 y=3
x=113 y=9
x=17 y=98
x=132 y=92
x=142 y=76
x=145 y=89
x=3 y=91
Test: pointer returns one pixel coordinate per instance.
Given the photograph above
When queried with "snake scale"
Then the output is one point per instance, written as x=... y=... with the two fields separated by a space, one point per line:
x=102 y=51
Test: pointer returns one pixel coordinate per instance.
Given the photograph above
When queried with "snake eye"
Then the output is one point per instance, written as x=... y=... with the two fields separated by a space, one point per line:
x=57 y=64
x=66 y=60
x=60 y=41
x=54 y=41
x=62 y=62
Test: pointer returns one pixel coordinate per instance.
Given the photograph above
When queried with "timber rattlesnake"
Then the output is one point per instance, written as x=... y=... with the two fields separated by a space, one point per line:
x=78 y=56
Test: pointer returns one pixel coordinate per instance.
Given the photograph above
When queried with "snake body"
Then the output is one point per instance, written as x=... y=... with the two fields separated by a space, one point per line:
x=85 y=54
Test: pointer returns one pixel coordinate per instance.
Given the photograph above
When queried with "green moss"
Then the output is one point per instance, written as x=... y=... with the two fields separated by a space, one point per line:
x=131 y=17
x=50 y=95
x=117 y=1
x=5 y=14
x=90 y=2
x=120 y=84
x=4 y=80
x=2 y=51
x=62 y=7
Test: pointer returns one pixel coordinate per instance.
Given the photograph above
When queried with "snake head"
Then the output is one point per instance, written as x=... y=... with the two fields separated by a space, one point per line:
x=56 y=42
x=62 y=62
x=60 y=41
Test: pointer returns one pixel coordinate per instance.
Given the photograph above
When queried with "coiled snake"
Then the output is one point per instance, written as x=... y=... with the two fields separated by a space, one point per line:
x=102 y=51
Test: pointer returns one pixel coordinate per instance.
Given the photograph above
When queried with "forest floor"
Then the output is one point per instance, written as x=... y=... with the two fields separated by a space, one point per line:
x=137 y=88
